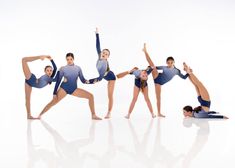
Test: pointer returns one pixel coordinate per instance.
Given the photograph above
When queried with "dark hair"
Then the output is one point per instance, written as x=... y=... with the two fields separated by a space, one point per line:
x=48 y=66
x=70 y=55
x=143 y=83
x=188 y=108
x=106 y=50
x=197 y=109
x=170 y=59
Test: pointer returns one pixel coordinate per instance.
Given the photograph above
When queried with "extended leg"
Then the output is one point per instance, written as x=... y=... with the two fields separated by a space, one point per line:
x=60 y=95
x=158 y=97
x=146 y=97
x=87 y=95
x=111 y=85
x=134 y=99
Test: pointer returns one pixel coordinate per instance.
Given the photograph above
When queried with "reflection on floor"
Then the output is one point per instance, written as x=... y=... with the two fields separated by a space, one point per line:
x=135 y=143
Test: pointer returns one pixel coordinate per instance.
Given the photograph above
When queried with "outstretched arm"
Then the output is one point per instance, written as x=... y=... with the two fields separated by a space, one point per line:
x=98 y=48
x=181 y=75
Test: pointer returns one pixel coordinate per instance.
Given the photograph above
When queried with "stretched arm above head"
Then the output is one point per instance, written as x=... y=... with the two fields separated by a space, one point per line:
x=33 y=58
x=58 y=79
x=98 y=48
x=54 y=67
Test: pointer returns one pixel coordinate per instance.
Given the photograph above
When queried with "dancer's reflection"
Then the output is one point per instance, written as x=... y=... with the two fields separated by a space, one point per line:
x=105 y=160
x=69 y=154
x=38 y=155
x=159 y=155
x=200 y=139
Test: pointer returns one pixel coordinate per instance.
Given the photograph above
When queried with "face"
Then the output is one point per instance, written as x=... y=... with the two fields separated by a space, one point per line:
x=144 y=75
x=104 y=54
x=48 y=71
x=170 y=63
x=69 y=60
x=187 y=113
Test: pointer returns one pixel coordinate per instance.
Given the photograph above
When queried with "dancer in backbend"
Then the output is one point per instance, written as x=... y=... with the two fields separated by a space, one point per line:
x=32 y=81
x=70 y=73
x=141 y=77
x=202 y=111
x=160 y=79
x=104 y=71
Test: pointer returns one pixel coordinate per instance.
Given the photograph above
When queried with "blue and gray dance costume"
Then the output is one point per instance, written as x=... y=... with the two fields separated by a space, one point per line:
x=204 y=114
x=137 y=76
x=167 y=75
x=71 y=74
x=43 y=80
x=102 y=65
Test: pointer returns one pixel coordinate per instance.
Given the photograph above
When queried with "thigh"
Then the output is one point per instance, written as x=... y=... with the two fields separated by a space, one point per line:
x=26 y=70
x=60 y=94
x=155 y=73
x=136 y=92
x=82 y=93
x=145 y=92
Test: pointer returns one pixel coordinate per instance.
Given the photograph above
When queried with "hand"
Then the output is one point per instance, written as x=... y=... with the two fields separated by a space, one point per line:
x=96 y=30
x=145 y=49
x=48 y=57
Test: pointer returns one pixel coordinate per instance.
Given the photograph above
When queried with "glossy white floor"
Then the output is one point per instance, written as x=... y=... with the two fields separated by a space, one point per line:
x=137 y=143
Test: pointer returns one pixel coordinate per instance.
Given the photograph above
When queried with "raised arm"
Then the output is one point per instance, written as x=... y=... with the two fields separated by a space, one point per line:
x=54 y=68
x=181 y=75
x=98 y=48
x=58 y=78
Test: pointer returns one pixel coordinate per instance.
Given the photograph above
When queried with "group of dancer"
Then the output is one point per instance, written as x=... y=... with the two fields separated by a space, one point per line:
x=71 y=72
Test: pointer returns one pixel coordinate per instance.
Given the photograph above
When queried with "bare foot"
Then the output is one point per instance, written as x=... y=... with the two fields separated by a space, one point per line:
x=94 y=117
x=226 y=117
x=160 y=115
x=154 y=115
x=127 y=116
x=108 y=115
x=32 y=118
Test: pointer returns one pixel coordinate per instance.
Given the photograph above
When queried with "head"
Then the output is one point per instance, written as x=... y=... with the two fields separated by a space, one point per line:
x=105 y=54
x=170 y=61
x=48 y=70
x=70 y=58
x=188 y=111
x=144 y=75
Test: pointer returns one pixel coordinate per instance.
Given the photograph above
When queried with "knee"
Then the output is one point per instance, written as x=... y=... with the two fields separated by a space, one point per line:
x=23 y=59
x=147 y=99
x=90 y=96
x=134 y=99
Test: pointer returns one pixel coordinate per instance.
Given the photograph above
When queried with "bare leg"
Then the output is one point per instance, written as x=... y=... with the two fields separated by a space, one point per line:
x=87 y=95
x=134 y=99
x=201 y=89
x=111 y=85
x=123 y=74
x=26 y=70
x=150 y=62
x=158 y=97
x=28 y=90
x=146 y=97
x=60 y=95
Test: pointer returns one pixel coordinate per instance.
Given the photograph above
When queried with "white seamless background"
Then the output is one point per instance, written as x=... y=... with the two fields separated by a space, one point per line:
x=199 y=32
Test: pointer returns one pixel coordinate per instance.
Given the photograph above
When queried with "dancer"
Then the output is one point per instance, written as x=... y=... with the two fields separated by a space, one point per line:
x=32 y=81
x=104 y=71
x=160 y=79
x=202 y=111
x=141 y=77
x=70 y=73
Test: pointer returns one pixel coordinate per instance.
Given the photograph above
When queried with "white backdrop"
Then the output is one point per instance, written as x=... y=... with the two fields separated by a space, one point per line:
x=199 y=32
